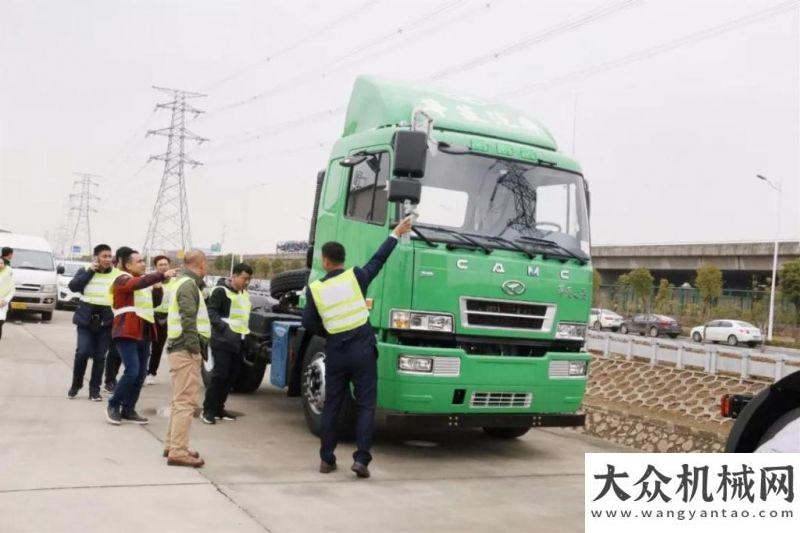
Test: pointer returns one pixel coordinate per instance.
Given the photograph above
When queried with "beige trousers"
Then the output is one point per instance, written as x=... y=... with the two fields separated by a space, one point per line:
x=184 y=371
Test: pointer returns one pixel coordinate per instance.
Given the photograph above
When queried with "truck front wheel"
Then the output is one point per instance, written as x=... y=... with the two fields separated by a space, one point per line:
x=312 y=393
x=506 y=433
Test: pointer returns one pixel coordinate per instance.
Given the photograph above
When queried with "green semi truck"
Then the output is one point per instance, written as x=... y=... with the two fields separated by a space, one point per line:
x=481 y=316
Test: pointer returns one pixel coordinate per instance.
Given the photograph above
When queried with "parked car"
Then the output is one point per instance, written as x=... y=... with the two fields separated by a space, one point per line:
x=726 y=330
x=652 y=325
x=66 y=271
x=604 y=319
x=34 y=274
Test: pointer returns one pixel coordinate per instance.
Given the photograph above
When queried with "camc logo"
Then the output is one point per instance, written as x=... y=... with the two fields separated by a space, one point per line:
x=513 y=287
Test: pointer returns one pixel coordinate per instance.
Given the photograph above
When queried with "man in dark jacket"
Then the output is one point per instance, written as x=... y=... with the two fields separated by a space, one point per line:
x=337 y=310
x=93 y=319
x=229 y=312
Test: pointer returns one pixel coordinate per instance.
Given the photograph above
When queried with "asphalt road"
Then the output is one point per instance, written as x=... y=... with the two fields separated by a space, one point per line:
x=63 y=468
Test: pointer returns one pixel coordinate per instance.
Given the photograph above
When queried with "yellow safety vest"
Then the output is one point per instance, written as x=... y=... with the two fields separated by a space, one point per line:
x=98 y=290
x=142 y=303
x=239 y=317
x=6 y=283
x=168 y=286
x=174 y=328
x=340 y=303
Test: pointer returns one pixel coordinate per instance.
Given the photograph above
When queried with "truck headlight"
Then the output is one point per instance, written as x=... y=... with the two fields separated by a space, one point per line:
x=566 y=330
x=577 y=368
x=411 y=363
x=49 y=288
x=413 y=320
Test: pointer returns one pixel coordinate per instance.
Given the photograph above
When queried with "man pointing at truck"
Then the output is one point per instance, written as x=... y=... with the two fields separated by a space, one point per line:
x=336 y=309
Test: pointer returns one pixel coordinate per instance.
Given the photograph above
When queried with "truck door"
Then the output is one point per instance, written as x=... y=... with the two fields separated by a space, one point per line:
x=364 y=225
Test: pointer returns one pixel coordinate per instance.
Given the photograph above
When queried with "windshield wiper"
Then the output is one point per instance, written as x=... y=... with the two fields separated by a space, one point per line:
x=552 y=244
x=507 y=242
x=32 y=268
x=461 y=236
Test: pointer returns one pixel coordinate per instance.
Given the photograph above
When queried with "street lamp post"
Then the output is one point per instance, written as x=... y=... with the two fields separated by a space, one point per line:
x=777 y=188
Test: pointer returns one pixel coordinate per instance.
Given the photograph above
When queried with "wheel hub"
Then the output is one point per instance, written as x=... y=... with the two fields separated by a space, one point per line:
x=315 y=384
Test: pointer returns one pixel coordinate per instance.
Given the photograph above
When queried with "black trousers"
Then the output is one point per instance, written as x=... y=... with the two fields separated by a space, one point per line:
x=227 y=365
x=1 y=328
x=159 y=341
x=358 y=365
x=113 y=362
x=92 y=344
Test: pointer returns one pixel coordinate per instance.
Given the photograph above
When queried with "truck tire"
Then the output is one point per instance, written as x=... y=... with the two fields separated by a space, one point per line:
x=291 y=280
x=47 y=316
x=312 y=393
x=506 y=433
x=250 y=377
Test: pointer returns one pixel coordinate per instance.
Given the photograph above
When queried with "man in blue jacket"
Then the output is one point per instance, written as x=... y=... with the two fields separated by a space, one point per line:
x=93 y=319
x=336 y=309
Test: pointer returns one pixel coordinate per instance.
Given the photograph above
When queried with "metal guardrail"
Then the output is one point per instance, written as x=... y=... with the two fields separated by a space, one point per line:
x=710 y=358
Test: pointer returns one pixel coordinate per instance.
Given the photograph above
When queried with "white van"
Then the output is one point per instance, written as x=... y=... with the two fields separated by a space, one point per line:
x=34 y=274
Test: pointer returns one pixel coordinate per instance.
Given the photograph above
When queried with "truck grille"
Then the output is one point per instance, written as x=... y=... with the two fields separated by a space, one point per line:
x=500 y=399
x=25 y=299
x=446 y=366
x=505 y=314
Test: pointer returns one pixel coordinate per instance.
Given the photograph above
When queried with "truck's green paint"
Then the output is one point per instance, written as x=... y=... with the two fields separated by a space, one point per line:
x=424 y=278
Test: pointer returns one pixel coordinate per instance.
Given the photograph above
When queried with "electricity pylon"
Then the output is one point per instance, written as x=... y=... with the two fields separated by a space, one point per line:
x=80 y=207
x=169 y=228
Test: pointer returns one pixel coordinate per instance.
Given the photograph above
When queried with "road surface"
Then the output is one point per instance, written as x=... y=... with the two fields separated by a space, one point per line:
x=63 y=468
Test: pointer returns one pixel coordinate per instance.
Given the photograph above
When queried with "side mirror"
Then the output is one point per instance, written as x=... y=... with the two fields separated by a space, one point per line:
x=401 y=190
x=60 y=269
x=410 y=153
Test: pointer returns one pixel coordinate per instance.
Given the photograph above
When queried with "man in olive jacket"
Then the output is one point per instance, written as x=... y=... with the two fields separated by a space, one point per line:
x=187 y=331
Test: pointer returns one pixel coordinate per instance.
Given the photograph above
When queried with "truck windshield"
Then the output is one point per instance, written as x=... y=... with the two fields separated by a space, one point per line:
x=32 y=260
x=490 y=197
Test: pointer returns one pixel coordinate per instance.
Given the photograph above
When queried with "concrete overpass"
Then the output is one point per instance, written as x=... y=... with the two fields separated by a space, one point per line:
x=739 y=261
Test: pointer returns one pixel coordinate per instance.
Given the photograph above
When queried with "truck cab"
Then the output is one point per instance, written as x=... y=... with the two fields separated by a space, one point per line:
x=481 y=315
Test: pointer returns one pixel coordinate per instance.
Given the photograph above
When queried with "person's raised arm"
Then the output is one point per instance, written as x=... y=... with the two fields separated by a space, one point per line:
x=373 y=267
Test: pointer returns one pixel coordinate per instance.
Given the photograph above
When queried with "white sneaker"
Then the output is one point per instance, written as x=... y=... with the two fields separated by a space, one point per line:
x=150 y=380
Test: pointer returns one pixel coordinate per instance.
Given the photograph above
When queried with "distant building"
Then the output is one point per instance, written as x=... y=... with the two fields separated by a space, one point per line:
x=291 y=247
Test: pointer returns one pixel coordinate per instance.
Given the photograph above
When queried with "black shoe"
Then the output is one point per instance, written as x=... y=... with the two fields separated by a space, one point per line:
x=225 y=415
x=95 y=397
x=360 y=469
x=72 y=392
x=109 y=387
x=113 y=416
x=207 y=418
x=134 y=417
x=326 y=468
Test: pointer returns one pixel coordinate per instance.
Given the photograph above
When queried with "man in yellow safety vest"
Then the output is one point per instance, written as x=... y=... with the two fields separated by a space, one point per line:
x=229 y=312
x=162 y=264
x=93 y=319
x=336 y=309
x=188 y=330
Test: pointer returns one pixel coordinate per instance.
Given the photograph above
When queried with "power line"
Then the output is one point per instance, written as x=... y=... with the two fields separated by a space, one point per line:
x=546 y=34
x=292 y=83
x=169 y=227
x=686 y=40
x=707 y=33
x=315 y=34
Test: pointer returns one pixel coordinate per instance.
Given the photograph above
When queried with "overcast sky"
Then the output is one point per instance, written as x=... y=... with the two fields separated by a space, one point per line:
x=670 y=131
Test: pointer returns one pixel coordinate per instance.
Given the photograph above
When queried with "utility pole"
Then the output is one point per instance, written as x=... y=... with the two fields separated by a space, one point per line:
x=80 y=207
x=169 y=227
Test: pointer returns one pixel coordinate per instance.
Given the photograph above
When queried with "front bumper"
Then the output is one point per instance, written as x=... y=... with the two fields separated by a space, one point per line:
x=458 y=420
x=33 y=301
x=526 y=379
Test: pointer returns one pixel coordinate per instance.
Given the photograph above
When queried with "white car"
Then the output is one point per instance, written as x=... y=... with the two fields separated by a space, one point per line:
x=604 y=319
x=66 y=271
x=732 y=332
